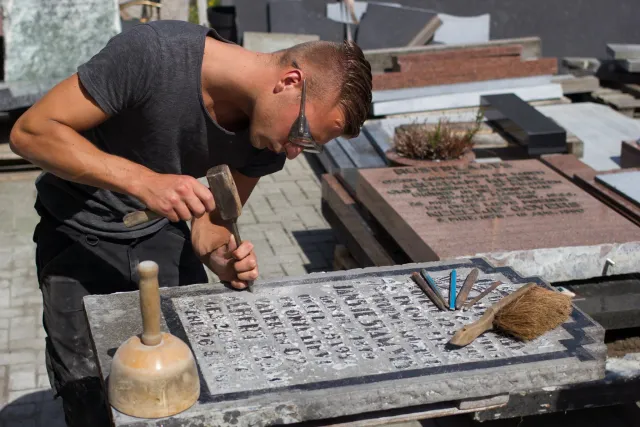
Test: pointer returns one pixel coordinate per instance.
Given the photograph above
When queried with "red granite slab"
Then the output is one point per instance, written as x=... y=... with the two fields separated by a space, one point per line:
x=445 y=212
x=428 y=73
x=584 y=176
x=479 y=52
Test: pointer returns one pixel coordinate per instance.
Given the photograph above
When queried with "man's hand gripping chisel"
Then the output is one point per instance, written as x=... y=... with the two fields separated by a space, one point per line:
x=227 y=201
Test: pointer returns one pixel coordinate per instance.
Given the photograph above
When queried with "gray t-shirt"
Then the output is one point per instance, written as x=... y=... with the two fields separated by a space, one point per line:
x=148 y=79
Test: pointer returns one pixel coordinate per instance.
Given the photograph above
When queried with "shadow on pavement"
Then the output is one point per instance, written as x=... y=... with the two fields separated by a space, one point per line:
x=37 y=409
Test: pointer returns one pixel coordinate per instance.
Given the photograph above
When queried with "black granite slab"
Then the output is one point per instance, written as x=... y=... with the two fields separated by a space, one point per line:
x=561 y=25
x=524 y=124
x=251 y=15
x=289 y=16
x=328 y=345
x=388 y=26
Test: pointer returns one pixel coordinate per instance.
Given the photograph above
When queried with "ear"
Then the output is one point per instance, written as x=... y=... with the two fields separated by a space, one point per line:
x=290 y=79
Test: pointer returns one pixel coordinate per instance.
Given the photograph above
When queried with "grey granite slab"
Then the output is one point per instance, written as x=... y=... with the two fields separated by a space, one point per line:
x=361 y=152
x=626 y=184
x=599 y=127
x=385 y=26
x=271 y=42
x=463 y=29
x=337 y=344
x=630 y=65
x=289 y=16
x=416 y=92
x=333 y=157
x=462 y=99
x=623 y=51
x=50 y=39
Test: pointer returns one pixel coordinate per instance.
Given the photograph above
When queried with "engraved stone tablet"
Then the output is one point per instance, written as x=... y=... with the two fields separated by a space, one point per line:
x=518 y=213
x=47 y=39
x=345 y=343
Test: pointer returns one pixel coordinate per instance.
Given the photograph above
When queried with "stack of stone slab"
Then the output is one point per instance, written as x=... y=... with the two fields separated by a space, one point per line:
x=362 y=345
x=519 y=213
x=457 y=78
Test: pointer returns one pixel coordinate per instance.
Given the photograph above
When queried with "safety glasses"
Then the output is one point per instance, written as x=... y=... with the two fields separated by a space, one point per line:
x=300 y=134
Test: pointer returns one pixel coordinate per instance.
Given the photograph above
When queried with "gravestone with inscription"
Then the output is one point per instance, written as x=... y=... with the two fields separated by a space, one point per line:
x=339 y=344
x=46 y=40
x=518 y=213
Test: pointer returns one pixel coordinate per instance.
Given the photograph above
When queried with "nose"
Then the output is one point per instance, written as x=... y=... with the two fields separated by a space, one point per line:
x=292 y=151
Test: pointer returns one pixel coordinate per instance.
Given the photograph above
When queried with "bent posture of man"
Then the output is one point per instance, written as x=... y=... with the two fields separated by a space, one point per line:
x=133 y=129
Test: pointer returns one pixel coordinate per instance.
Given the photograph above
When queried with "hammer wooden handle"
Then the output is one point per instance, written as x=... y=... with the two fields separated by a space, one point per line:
x=150 y=302
x=139 y=217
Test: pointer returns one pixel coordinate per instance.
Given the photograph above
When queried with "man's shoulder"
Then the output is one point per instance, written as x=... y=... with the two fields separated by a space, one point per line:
x=176 y=29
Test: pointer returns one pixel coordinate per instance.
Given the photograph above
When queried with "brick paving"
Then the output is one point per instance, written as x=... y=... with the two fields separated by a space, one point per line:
x=282 y=218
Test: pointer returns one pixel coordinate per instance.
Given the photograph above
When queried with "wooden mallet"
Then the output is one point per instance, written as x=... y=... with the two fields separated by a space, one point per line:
x=154 y=374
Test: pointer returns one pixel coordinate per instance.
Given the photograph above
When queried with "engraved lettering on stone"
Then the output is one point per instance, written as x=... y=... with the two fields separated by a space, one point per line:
x=482 y=192
x=337 y=331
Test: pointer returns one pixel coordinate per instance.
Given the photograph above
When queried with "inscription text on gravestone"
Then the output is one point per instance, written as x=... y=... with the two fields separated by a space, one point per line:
x=452 y=211
x=346 y=330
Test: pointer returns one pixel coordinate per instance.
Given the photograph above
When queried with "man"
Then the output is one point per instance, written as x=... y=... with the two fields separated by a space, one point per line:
x=133 y=129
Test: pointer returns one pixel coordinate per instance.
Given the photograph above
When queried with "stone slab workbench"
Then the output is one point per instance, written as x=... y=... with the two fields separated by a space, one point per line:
x=358 y=343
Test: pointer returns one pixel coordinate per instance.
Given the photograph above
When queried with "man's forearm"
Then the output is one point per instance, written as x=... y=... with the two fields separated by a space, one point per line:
x=62 y=151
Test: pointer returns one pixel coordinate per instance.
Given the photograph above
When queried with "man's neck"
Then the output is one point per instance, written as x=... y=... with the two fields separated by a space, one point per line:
x=231 y=79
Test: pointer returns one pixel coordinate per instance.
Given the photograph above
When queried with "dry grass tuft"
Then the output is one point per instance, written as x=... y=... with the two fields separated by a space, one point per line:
x=439 y=142
x=537 y=311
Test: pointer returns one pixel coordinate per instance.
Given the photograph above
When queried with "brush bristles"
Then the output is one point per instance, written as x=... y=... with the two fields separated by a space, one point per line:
x=538 y=311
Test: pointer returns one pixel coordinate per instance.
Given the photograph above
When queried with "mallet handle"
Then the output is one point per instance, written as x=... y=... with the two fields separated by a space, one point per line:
x=150 y=302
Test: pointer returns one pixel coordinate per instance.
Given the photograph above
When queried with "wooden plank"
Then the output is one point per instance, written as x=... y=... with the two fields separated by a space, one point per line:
x=361 y=152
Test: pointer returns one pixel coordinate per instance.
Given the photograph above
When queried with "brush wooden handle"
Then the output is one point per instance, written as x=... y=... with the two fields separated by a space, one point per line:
x=150 y=303
x=468 y=333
